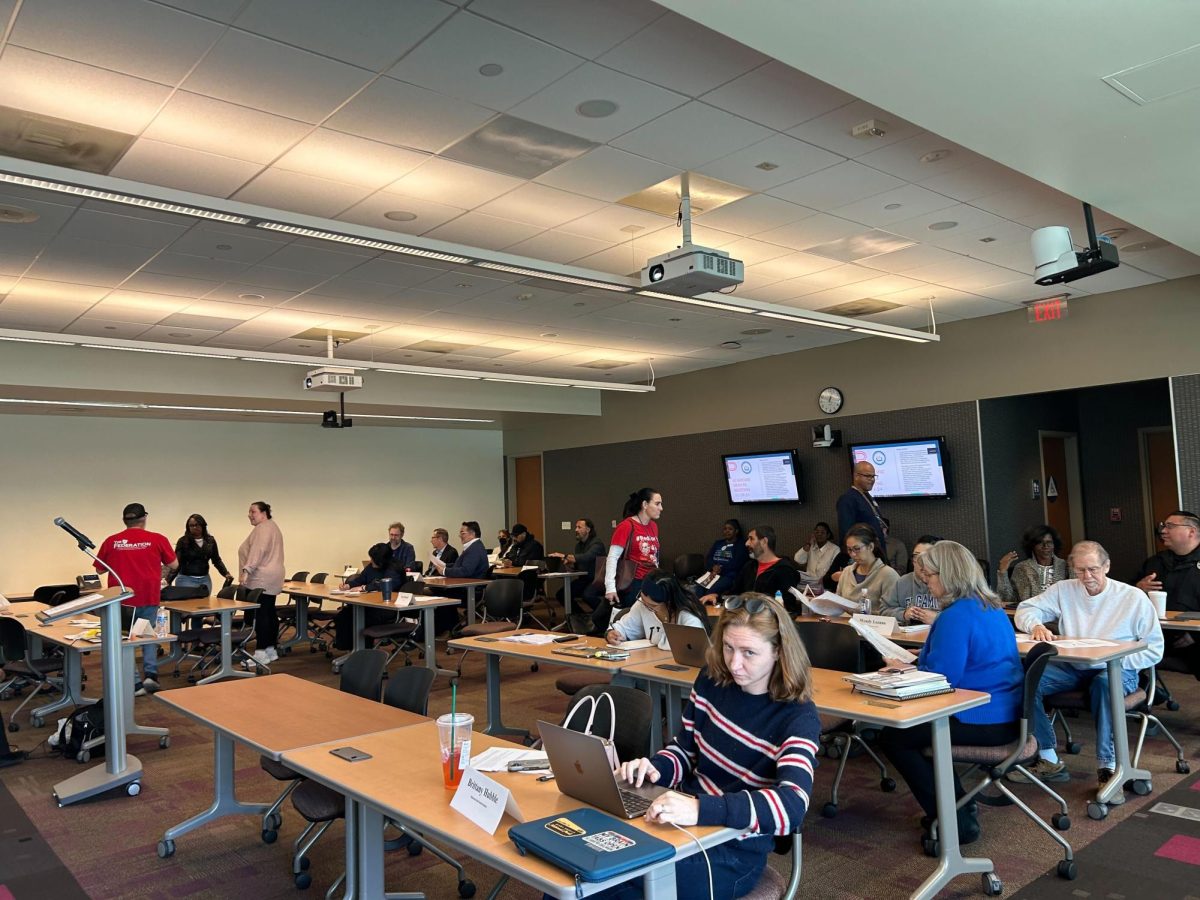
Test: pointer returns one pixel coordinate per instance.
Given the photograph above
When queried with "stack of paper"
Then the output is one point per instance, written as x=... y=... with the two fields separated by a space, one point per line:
x=900 y=686
x=824 y=603
x=887 y=649
x=531 y=638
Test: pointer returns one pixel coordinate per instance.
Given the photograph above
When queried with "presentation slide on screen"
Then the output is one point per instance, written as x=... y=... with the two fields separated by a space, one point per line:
x=767 y=476
x=906 y=469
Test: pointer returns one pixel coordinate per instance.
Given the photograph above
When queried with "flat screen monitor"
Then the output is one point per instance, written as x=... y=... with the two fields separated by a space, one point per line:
x=769 y=477
x=908 y=468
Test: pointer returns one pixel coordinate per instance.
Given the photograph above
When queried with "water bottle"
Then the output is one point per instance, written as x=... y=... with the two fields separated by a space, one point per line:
x=864 y=605
x=779 y=597
x=161 y=623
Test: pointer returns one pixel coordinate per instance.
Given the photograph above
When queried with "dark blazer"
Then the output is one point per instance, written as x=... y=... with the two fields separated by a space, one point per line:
x=852 y=508
x=779 y=577
x=449 y=554
x=527 y=551
x=473 y=563
x=402 y=557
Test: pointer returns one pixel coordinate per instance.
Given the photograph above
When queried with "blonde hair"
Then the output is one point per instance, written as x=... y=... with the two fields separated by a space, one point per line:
x=959 y=572
x=791 y=679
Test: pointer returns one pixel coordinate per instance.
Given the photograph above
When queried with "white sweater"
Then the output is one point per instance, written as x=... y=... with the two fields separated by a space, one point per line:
x=641 y=623
x=1120 y=612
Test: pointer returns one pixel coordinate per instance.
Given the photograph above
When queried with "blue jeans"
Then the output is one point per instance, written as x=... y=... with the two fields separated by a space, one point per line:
x=1065 y=677
x=149 y=651
x=194 y=581
x=736 y=868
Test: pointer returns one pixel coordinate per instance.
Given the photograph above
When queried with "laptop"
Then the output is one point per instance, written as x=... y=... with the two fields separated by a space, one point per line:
x=580 y=768
x=552 y=564
x=689 y=644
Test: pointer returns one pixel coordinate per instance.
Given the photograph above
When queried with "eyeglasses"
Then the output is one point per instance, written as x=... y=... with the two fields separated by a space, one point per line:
x=854 y=550
x=1163 y=526
x=863 y=475
x=752 y=605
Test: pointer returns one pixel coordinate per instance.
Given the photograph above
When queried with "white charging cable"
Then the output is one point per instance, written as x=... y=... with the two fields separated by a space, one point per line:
x=703 y=853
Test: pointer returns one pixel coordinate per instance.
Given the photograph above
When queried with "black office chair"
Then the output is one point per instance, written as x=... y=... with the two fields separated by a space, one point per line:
x=409 y=689
x=240 y=633
x=20 y=664
x=835 y=646
x=770 y=885
x=189 y=633
x=503 y=602
x=50 y=593
x=633 y=707
x=689 y=567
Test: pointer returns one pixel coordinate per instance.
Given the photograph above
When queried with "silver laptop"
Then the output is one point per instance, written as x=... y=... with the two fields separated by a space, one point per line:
x=689 y=644
x=581 y=770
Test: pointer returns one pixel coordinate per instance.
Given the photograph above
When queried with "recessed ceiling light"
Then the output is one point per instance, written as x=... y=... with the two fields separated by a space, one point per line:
x=463 y=284
x=674 y=320
x=596 y=109
x=943 y=226
x=110 y=327
x=549 y=334
x=752 y=331
x=399 y=215
x=17 y=215
x=251 y=297
x=304 y=346
x=524 y=297
x=180 y=334
x=767 y=166
x=579 y=303
x=986 y=240
x=893 y=206
x=224 y=246
x=935 y=156
x=731 y=345
x=490 y=70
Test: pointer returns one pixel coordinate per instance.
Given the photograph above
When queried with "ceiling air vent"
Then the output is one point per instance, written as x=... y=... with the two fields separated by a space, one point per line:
x=59 y=142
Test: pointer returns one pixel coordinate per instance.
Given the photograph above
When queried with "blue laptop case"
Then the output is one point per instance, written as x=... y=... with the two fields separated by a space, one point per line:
x=591 y=845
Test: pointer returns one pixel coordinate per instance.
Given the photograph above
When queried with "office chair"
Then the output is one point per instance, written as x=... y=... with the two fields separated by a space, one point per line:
x=287 y=613
x=20 y=664
x=240 y=633
x=320 y=620
x=49 y=593
x=771 y=885
x=503 y=602
x=838 y=647
x=996 y=762
x=689 y=567
x=188 y=635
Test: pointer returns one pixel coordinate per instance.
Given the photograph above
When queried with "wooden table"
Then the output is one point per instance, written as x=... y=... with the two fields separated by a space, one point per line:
x=422 y=606
x=403 y=781
x=1174 y=623
x=494 y=646
x=302 y=592
x=271 y=714
x=469 y=583
x=181 y=609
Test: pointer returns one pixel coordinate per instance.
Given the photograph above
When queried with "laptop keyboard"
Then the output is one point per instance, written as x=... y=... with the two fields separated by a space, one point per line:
x=635 y=804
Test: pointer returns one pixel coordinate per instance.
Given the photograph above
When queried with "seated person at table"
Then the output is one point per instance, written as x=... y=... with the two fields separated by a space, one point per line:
x=726 y=557
x=1040 y=569
x=910 y=600
x=442 y=550
x=588 y=549
x=662 y=599
x=816 y=557
x=503 y=542
x=402 y=554
x=471 y=563
x=366 y=580
x=1176 y=570
x=868 y=578
x=746 y=754
x=971 y=643
x=765 y=573
x=1089 y=605
x=528 y=549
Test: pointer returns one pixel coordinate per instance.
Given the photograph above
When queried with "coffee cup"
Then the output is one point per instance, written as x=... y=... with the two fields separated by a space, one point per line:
x=1159 y=599
x=385 y=587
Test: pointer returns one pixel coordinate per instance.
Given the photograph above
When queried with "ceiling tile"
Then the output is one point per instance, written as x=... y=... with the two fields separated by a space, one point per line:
x=965 y=274
x=372 y=212
x=1118 y=279
x=584 y=27
x=104 y=328
x=778 y=96
x=541 y=149
x=623 y=259
x=186 y=170
x=218 y=10
x=903 y=317
x=791 y=159
x=557 y=246
x=891 y=206
x=1167 y=262
x=408 y=116
x=188 y=266
x=539 y=205
x=449 y=62
x=226 y=312
x=446 y=181
x=394 y=273
x=914 y=257
x=904 y=158
x=977 y=179
x=349 y=159
x=832 y=130
x=355 y=289
x=365 y=33
x=140 y=39
x=475 y=229
x=278 y=323
x=294 y=192
x=753 y=253
x=225 y=129
x=818 y=229
x=174 y=285
x=52 y=293
x=838 y=276
x=754 y=214
x=38 y=312
x=89 y=224
x=1002 y=242
x=682 y=55
x=277 y=279
x=236 y=293
x=968 y=217
x=692 y=135
x=607 y=174
x=312 y=256
x=637 y=102
x=244 y=246
x=69 y=90
x=263 y=74
x=464 y=284
x=836 y=186
x=793 y=265
x=178 y=334
x=607 y=224
x=30 y=235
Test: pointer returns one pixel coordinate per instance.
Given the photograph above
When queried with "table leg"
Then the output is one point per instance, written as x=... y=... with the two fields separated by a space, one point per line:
x=360 y=622
x=177 y=651
x=471 y=605
x=427 y=630
x=72 y=688
x=1116 y=707
x=301 y=622
x=225 y=802
x=566 y=582
x=369 y=828
x=496 y=726
x=659 y=883
x=131 y=727
x=226 y=669
x=951 y=862
x=674 y=710
x=655 y=690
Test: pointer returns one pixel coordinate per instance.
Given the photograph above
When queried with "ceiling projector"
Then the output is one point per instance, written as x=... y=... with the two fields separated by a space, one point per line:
x=1055 y=260
x=332 y=378
x=690 y=270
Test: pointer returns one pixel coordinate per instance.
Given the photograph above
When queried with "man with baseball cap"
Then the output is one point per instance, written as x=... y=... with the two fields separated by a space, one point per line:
x=141 y=558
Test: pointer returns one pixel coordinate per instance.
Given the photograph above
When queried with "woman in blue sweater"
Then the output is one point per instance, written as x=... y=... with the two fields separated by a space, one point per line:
x=972 y=643
x=726 y=557
x=746 y=753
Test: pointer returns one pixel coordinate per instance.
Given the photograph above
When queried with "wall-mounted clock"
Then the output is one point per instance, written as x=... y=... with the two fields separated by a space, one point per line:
x=830 y=400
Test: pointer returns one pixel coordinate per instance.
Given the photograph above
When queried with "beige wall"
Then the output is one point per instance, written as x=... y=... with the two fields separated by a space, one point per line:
x=1121 y=336
x=333 y=492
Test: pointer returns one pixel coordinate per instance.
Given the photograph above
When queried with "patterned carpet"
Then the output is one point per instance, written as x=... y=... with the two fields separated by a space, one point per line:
x=871 y=849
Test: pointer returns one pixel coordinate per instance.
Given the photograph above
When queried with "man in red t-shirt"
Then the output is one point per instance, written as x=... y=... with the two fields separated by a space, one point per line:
x=140 y=557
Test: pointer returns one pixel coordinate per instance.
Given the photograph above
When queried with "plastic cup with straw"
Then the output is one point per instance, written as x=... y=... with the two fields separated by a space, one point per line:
x=454 y=737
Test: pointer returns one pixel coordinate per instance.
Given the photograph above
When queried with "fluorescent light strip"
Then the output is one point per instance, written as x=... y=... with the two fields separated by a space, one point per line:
x=694 y=301
x=427 y=374
x=554 y=276
x=888 y=334
x=18 y=340
x=163 y=352
x=803 y=321
x=127 y=199
x=279 y=362
x=530 y=381
x=300 y=412
x=90 y=403
x=628 y=388
x=361 y=242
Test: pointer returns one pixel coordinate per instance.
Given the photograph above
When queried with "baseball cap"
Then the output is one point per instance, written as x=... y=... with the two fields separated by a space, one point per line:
x=133 y=512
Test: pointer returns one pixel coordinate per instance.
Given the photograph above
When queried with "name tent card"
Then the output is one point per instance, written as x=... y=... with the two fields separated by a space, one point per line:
x=484 y=801
x=884 y=625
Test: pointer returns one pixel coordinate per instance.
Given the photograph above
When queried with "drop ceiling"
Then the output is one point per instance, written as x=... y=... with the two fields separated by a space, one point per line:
x=361 y=113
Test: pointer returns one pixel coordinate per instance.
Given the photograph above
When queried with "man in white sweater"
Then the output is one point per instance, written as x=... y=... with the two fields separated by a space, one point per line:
x=1089 y=605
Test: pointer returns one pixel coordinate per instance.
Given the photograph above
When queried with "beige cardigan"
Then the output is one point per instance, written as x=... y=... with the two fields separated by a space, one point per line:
x=260 y=558
x=878 y=583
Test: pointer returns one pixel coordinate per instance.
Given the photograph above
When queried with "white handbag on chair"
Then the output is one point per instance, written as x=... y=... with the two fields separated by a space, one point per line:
x=610 y=749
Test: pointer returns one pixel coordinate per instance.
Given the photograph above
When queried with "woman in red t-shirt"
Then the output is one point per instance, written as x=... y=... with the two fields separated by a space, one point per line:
x=637 y=534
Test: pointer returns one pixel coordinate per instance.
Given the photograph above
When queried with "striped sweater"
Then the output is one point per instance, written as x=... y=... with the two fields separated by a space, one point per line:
x=748 y=758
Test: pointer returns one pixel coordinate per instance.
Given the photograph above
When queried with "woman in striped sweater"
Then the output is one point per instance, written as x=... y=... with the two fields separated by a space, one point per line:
x=746 y=754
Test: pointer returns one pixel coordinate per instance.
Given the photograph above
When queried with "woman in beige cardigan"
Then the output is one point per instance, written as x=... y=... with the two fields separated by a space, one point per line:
x=868 y=576
x=260 y=559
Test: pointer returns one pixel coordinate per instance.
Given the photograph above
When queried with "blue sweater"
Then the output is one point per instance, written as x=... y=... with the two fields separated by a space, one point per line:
x=975 y=648
x=748 y=758
x=730 y=556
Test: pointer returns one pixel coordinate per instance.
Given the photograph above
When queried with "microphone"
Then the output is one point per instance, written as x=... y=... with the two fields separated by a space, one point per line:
x=85 y=542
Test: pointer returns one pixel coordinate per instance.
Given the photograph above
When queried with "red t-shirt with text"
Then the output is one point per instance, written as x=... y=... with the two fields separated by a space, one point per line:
x=137 y=555
x=643 y=549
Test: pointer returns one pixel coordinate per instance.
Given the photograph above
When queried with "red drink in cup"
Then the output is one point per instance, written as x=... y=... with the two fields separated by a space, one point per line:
x=454 y=738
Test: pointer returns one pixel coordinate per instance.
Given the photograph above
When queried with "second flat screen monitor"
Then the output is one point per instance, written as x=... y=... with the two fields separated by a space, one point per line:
x=908 y=468
x=770 y=477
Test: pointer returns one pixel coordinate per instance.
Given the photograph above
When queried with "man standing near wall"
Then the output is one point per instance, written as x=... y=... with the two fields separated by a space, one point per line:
x=857 y=505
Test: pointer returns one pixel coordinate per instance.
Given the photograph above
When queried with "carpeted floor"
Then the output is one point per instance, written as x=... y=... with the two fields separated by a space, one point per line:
x=28 y=865
x=871 y=849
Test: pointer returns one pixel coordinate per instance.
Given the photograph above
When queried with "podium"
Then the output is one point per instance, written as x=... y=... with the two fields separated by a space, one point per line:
x=119 y=769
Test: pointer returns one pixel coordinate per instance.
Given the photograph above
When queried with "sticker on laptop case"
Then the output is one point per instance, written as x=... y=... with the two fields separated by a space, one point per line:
x=609 y=841
x=565 y=827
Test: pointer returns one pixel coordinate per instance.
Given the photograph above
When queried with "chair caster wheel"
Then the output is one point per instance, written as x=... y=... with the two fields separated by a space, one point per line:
x=83 y=757
x=1142 y=787
x=466 y=888
x=303 y=880
x=329 y=654
x=1173 y=705
x=930 y=846
x=36 y=721
x=13 y=726
x=312 y=649
x=133 y=788
x=887 y=785
x=992 y=885
x=269 y=835
x=1067 y=869
x=1073 y=747
x=414 y=849
x=191 y=679
x=834 y=751
x=533 y=668
x=1096 y=810
x=1060 y=821
x=166 y=849
x=829 y=810
x=287 y=650
x=1182 y=767
x=305 y=862
x=164 y=742
x=274 y=820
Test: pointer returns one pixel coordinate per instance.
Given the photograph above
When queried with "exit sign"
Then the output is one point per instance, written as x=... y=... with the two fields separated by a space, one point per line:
x=1052 y=309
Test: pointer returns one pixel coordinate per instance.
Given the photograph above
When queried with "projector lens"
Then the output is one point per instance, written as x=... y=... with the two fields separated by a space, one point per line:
x=657 y=272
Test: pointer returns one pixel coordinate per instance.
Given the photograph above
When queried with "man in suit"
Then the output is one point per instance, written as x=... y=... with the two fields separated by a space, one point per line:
x=471 y=563
x=857 y=505
x=442 y=551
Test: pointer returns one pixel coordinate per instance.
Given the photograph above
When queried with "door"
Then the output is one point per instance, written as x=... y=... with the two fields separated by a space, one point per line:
x=528 y=473
x=1160 y=489
x=1061 y=491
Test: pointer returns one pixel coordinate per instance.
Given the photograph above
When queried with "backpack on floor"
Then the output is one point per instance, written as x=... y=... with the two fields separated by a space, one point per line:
x=81 y=726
